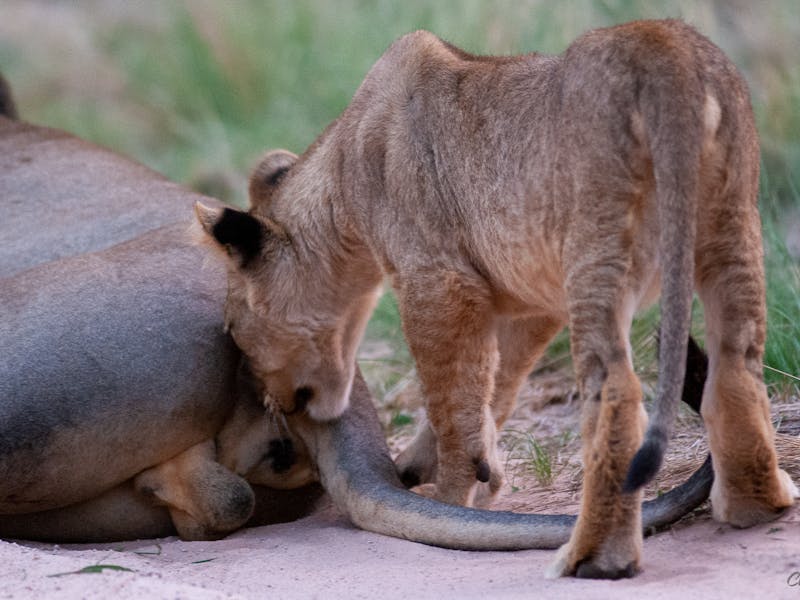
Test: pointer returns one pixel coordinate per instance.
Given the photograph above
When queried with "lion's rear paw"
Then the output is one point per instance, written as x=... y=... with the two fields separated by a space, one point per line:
x=414 y=472
x=614 y=564
x=728 y=506
x=446 y=494
x=590 y=570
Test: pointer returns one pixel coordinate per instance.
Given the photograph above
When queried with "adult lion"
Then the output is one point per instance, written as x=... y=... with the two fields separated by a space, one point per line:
x=507 y=197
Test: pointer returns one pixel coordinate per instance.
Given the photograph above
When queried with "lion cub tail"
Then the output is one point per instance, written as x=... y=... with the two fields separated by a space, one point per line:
x=7 y=106
x=673 y=103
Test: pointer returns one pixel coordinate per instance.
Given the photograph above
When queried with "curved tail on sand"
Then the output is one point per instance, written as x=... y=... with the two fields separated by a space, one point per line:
x=356 y=470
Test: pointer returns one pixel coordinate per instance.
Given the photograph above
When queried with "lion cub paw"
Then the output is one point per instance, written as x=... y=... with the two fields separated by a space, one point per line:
x=488 y=489
x=745 y=511
x=417 y=464
x=483 y=495
x=460 y=480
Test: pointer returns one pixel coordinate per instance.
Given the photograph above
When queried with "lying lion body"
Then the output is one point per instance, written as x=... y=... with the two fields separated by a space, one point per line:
x=123 y=413
x=507 y=197
x=116 y=363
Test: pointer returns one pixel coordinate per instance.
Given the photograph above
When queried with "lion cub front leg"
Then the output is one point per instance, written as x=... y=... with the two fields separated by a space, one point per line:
x=521 y=342
x=448 y=321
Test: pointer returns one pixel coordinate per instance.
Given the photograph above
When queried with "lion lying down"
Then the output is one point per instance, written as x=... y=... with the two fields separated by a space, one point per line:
x=124 y=412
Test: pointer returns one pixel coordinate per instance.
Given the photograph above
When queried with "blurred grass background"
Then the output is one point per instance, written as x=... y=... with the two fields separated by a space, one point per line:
x=199 y=89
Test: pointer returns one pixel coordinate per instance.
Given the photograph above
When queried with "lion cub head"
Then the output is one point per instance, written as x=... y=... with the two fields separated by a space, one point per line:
x=285 y=312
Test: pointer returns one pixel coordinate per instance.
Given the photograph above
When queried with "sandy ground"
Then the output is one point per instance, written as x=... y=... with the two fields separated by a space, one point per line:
x=322 y=556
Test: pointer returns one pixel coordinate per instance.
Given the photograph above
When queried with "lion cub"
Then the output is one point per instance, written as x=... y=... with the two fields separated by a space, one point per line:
x=506 y=198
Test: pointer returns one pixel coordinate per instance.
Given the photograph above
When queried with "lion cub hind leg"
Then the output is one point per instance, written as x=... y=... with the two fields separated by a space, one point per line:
x=607 y=541
x=748 y=487
x=205 y=500
x=448 y=321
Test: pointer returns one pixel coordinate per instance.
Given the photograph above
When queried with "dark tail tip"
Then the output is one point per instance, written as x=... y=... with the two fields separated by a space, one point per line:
x=7 y=106
x=646 y=462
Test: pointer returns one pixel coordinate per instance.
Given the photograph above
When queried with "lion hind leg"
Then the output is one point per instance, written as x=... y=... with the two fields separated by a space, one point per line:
x=205 y=500
x=417 y=463
x=748 y=487
x=606 y=542
x=521 y=343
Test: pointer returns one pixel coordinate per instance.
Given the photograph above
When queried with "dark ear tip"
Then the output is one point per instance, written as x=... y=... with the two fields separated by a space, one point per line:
x=241 y=232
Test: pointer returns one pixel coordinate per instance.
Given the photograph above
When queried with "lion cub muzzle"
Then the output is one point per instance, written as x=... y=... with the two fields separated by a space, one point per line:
x=323 y=394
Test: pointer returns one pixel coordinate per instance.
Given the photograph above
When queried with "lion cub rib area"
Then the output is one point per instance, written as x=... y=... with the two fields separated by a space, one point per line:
x=506 y=198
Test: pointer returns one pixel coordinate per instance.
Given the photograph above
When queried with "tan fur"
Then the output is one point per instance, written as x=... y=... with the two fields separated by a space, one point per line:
x=205 y=500
x=507 y=197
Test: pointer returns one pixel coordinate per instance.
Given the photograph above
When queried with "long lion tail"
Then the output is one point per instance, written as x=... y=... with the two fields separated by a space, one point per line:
x=356 y=470
x=674 y=107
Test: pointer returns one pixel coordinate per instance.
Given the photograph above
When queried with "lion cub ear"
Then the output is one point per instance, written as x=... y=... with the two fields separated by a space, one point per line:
x=271 y=170
x=242 y=235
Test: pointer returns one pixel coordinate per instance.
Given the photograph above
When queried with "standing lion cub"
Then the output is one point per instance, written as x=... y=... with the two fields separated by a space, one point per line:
x=506 y=198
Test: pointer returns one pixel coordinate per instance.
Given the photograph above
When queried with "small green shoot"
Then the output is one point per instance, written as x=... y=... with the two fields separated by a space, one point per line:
x=523 y=446
x=401 y=419
x=98 y=568
x=541 y=464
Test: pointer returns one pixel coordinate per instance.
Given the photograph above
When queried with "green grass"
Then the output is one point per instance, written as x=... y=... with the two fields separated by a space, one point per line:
x=530 y=455
x=198 y=90
x=93 y=569
x=782 y=356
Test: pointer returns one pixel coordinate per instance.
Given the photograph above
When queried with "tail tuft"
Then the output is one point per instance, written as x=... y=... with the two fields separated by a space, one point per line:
x=647 y=460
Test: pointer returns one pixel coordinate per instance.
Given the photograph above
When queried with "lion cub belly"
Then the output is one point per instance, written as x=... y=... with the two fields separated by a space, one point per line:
x=533 y=281
x=533 y=287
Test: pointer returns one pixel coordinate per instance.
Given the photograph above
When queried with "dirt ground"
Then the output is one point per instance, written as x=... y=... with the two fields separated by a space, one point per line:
x=323 y=556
